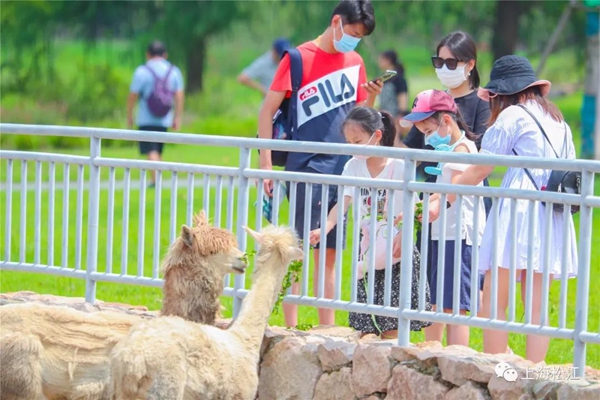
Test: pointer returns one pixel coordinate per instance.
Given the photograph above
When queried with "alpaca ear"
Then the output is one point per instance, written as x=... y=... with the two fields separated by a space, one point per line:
x=186 y=235
x=296 y=253
x=257 y=236
x=200 y=218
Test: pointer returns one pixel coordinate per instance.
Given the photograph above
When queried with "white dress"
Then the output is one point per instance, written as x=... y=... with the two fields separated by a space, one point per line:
x=515 y=129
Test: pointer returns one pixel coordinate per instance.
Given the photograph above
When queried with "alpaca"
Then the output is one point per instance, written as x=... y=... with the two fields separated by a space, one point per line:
x=170 y=358
x=194 y=269
x=64 y=353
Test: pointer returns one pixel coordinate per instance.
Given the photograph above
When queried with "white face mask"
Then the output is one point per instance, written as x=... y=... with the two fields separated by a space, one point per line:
x=451 y=79
x=366 y=145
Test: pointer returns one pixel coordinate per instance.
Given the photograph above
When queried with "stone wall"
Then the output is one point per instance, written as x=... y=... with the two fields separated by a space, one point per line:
x=330 y=363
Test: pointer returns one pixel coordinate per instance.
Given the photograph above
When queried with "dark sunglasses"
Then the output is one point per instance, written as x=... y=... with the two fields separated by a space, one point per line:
x=451 y=63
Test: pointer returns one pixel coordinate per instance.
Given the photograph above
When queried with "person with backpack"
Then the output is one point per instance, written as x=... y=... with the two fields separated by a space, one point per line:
x=157 y=88
x=332 y=82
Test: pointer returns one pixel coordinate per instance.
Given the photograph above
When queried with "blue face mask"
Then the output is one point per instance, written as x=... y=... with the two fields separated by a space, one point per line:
x=347 y=43
x=435 y=140
x=442 y=147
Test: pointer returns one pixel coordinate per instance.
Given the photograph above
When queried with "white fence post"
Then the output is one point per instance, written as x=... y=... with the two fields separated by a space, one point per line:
x=408 y=224
x=242 y=220
x=93 y=211
x=583 y=274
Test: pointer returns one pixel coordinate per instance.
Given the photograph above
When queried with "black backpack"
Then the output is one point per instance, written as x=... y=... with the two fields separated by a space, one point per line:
x=285 y=120
x=559 y=181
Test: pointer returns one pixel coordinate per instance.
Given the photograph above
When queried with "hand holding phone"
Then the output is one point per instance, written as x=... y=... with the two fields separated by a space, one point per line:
x=387 y=75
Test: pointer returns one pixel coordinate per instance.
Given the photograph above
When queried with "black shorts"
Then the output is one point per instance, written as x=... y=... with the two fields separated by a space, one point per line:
x=315 y=214
x=147 y=147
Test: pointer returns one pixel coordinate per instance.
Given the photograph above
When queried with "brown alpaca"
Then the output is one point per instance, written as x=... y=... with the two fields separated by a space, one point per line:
x=170 y=358
x=56 y=352
x=194 y=270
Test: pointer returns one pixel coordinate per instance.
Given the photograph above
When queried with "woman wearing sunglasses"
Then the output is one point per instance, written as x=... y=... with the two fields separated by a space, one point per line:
x=455 y=65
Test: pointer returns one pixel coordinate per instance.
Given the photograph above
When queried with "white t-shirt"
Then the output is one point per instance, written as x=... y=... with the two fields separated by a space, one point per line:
x=394 y=170
x=468 y=206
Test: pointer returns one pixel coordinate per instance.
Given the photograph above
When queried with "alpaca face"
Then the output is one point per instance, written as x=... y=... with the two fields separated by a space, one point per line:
x=216 y=245
x=279 y=242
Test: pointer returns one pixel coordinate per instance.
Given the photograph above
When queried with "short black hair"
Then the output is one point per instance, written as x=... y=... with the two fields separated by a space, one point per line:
x=156 y=48
x=355 y=12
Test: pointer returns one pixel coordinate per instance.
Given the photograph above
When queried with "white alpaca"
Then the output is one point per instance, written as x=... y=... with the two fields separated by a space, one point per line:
x=62 y=353
x=169 y=358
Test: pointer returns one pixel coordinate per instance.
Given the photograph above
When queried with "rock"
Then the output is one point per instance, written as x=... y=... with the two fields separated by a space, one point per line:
x=579 y=389
x=545 y=389
x=468 y=391
x=501 y=389
x=334 y=331
x=460 y=369
x=335 y=386
x=334 y=355
x=290 y=370
x=371 y=369
x=273 y=335
x=409 y=384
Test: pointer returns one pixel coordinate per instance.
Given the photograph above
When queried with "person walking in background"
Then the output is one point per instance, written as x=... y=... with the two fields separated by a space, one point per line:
x=260 y=73
x=394 y=95
x=525 y=124
x=157 y=87
x=328 y=61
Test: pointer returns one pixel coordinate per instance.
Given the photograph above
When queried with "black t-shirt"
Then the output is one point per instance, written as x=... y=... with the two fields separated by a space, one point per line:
x=388 y=98
x=476 y=114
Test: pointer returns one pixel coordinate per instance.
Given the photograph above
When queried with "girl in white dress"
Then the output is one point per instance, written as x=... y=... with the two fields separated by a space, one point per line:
x=517 y=99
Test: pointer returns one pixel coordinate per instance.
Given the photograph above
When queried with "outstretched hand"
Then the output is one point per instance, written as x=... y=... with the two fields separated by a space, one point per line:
x=314 y=237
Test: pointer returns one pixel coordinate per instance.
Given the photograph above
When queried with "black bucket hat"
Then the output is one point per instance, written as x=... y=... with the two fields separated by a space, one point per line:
x=511 y=74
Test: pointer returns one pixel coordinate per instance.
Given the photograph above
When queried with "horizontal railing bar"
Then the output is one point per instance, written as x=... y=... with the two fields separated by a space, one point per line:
x=478 y=322
x=166 y=166
x=483 y=191
x=128 y=279
x=42 y=269
x=44 y=157
x=590 y=337
x=307 y=147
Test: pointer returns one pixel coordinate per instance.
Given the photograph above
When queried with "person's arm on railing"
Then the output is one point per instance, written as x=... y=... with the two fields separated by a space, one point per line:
x=473 y=176
x=315 y=236
x=272 y=101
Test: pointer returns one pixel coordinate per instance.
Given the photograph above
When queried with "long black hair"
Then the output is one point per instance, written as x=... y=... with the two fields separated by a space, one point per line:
x=462 y=46
x=371 y=120
x=392 y=57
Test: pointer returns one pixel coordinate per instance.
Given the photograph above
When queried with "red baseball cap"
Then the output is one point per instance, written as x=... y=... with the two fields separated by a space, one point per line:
x=428 y=103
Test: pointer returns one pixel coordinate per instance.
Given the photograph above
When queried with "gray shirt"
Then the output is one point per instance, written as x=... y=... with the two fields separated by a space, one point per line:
x=262 y=69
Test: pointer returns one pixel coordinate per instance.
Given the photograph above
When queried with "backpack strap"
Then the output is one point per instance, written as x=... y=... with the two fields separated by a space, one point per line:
x=296 y=77
x=539 y=126
x=156 y=78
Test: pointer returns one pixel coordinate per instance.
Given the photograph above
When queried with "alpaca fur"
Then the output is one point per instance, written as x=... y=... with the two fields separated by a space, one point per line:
x=170 y=358
x=194 y=270
x=63 y=353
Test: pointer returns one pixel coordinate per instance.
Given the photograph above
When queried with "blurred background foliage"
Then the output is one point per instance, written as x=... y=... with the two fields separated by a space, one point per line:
x=71 y=62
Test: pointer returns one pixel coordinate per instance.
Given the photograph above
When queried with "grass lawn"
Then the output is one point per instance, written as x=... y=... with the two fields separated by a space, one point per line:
x=165 y=222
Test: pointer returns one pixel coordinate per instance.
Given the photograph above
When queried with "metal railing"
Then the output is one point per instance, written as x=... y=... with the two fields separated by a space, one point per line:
x=103 y=185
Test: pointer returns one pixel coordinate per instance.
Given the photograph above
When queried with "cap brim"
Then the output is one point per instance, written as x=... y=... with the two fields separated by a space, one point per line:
x=410 y=119
x=484 y=94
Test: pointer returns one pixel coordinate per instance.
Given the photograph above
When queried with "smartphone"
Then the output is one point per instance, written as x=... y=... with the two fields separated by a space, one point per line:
x=389 y=74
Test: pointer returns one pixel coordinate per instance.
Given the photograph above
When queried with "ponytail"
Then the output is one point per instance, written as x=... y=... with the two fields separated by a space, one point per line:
x=388 y=133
